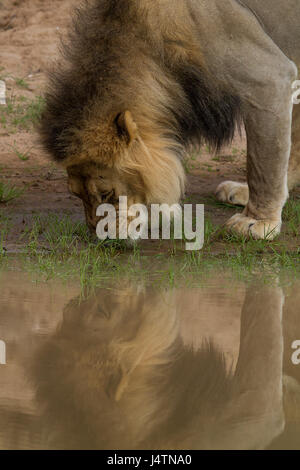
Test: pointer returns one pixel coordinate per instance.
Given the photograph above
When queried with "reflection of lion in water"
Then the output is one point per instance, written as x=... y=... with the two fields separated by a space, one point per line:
x=145 y=79
x=121 y=377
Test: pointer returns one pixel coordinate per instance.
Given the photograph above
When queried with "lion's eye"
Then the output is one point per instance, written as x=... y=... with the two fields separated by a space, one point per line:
x=108 y=195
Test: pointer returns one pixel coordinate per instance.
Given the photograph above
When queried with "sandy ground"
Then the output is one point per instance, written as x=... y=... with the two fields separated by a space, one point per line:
x=30 y=32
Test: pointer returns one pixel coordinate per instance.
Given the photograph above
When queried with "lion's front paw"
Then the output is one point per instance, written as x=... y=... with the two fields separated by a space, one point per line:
x=233 y=193
x=257 y=229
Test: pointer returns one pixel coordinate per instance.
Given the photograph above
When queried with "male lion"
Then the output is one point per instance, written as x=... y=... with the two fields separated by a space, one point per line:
x=145 y=78
x=122 y=368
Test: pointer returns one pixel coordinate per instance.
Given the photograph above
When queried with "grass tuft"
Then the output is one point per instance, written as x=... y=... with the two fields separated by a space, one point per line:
x=21 y=113
x=22 y=83
x=9 y=192
x=291 y=215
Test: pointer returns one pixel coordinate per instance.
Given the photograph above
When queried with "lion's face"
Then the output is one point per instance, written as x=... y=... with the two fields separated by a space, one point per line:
x=119 y=162
x=103 y=180
x=96 y=185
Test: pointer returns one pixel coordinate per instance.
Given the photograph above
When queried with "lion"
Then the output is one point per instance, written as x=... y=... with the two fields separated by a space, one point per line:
x=123 y=376
x=143 y=80
x=140 y=366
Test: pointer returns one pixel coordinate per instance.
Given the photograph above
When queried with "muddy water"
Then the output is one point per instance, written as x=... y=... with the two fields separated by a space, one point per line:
x=134 y=367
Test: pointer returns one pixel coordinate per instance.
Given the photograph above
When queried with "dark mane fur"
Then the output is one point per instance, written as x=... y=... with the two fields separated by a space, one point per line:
x=101 y=71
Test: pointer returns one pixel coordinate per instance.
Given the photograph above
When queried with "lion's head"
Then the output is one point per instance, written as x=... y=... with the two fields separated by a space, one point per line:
x=116 y=159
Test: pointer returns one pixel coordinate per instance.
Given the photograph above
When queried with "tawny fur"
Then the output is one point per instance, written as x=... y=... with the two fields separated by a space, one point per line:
x=145 y=79
x=142 y=57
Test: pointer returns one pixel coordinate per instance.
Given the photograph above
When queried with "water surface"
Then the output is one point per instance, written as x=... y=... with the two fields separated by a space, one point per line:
x=134 y=366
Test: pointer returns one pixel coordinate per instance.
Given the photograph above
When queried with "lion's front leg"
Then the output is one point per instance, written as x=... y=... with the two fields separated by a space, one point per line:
x=236 y=193
x=255 y=410
x=268 y=128
x=269 y=143
x=262 y=76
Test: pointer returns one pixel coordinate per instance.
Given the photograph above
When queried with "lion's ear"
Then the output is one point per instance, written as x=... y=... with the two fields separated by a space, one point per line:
x=126 y=126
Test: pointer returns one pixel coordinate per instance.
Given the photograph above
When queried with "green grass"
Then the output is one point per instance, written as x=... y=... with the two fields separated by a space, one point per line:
x=62 y=236
x=22 y=83
x=22 y=155
x=291 y=216
x=5 y=225
x=21 y=113
x=95 y=265
x=8 y=192
x=58 y=246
